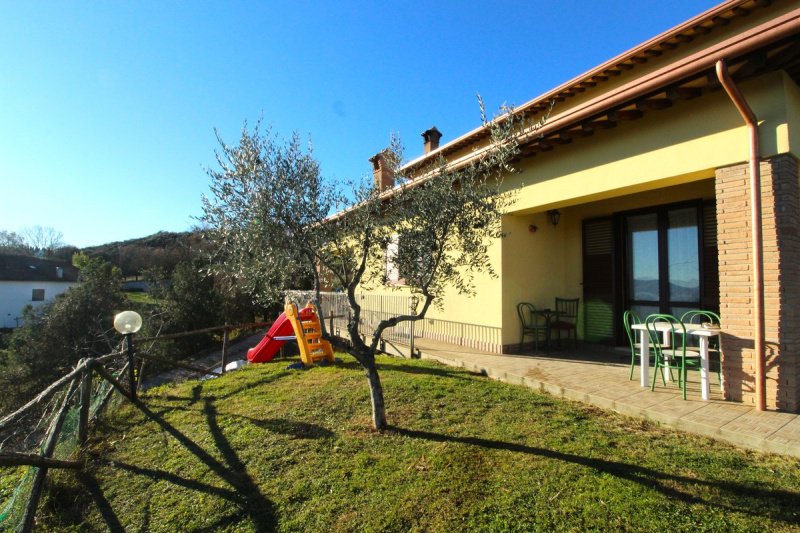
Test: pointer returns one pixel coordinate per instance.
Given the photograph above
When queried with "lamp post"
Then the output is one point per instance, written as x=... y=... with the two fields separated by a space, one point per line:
x=127 y=323
x=414 y=302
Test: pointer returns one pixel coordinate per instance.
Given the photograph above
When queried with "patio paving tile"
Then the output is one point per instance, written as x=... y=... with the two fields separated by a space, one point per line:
x=716 y=415
x=788 y=434
x=762 y=424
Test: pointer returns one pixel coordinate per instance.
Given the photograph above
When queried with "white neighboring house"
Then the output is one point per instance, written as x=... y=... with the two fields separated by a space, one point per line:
x=30 y=280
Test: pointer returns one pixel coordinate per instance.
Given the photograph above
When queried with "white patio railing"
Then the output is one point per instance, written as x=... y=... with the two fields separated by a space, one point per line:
x=377 y=307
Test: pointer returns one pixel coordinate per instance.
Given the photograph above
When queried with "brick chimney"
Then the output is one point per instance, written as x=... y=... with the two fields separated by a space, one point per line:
x=382 y=175
x=431 y=139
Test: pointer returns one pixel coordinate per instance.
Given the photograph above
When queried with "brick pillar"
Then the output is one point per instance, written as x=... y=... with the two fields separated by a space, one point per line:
x=780 y=197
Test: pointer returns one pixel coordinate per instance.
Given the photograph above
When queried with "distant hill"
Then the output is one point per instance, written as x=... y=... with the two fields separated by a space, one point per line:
x=163 y=249
x=162 y=239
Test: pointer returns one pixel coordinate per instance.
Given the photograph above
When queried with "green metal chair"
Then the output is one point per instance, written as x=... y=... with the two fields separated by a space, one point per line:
x=566 y=318
x=700 y=316
x=671 y=354
x=532 y=324
x=629 y=318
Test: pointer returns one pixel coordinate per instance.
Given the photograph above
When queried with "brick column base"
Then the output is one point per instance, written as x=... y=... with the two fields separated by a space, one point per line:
x=780 y=197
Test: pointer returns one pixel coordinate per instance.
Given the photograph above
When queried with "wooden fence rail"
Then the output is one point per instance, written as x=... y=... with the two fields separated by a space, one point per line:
x=79 y=380
x=47 y=453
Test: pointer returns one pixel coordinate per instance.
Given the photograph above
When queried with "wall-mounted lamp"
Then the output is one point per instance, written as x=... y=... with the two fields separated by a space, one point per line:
x=555 y=216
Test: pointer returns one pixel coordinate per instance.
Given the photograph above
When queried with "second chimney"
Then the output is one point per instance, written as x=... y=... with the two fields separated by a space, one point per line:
x=431 y=139
x=382 y=175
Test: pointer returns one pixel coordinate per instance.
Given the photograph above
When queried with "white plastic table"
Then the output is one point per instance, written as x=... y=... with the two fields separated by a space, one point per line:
x=691 y=329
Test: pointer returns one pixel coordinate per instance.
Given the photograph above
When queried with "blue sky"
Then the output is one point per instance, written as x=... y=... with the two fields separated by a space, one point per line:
x=108 y=109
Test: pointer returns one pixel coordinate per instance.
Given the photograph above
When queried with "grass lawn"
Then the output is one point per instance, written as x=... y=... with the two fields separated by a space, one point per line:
x=140 y=297
x=265 y=449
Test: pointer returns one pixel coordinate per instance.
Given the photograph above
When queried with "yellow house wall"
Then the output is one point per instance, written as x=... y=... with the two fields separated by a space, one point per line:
x=664 y=148
x=792 y=114
x=470 y=309
x=667 y=156
x=540 y=266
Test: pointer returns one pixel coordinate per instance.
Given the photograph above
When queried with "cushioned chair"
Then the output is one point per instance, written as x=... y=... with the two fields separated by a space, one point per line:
x=629 y=318
x=532 y=324
x=668 y=339
x=566 y=319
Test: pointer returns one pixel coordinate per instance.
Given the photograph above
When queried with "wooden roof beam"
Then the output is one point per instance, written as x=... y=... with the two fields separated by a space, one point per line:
x=722 y=21
x=578 y=132
x=558 y=139
x=684 y=93
x=653 y=103
x=601 y=124
x=751 y=65
x=629 y=114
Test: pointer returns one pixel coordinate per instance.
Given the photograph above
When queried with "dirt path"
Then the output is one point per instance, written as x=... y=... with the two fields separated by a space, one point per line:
x=209 y=359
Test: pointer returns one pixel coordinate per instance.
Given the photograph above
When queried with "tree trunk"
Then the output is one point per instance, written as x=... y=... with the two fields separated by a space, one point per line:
x=375 y=393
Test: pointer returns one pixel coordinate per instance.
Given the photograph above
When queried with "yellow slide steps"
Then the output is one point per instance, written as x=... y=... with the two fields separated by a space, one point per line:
x=312 y=346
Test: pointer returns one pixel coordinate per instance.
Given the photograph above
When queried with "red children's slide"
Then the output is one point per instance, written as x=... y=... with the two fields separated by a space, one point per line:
x=265 y=350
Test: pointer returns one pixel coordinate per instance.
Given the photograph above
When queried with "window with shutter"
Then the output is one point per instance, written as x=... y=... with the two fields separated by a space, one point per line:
x=598 y=280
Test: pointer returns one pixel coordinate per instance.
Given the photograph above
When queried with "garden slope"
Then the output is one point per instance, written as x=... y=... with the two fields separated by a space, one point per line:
x=266 y=449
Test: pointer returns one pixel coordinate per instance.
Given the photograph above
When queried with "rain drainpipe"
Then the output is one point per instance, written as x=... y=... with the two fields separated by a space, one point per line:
x=755 y=222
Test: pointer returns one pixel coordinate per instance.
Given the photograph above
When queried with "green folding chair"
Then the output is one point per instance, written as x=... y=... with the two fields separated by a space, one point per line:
x=700 y=316
x=629 y=318
x=672 y=354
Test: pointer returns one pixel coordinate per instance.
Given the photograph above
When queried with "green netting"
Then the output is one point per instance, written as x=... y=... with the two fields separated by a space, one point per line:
x=13 y=510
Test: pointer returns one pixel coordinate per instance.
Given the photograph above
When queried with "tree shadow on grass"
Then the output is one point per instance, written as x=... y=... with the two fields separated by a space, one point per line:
x=90 y=485
x=433 y=371
x=245 y=494
x=291 y=428
x=196 y=389
x=417 y=370
x=750 y=499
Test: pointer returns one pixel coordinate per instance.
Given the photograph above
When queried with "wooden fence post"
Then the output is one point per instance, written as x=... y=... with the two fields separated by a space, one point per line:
x=224 y=350
x=107 y=396
x=49 y=448
x=141 y=376
x=86 y=400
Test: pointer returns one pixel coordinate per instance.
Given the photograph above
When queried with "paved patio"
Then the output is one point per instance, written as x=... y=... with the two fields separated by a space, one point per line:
x=601 y=379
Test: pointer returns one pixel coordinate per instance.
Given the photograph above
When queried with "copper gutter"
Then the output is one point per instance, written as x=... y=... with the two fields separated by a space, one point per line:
x=714 y=16
x=773 y=30
x=755 y=223
x=770 y=31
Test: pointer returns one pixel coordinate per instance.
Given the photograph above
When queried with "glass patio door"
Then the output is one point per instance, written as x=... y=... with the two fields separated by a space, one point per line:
x=663 y=268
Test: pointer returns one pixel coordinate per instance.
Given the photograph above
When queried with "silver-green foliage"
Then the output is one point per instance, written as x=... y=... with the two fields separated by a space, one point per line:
x=264 y=213
x=275 y=220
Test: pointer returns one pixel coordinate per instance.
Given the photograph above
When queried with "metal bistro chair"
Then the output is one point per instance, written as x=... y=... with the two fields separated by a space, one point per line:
x=531 y=324
x=663 y=329
x=700 y=316
x=629 y=318
x=566 y=318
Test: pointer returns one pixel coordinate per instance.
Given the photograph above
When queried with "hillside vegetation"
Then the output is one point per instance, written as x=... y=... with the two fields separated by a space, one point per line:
x=268 y=449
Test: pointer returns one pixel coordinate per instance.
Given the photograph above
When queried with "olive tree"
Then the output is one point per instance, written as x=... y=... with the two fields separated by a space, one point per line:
x=273 y=218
